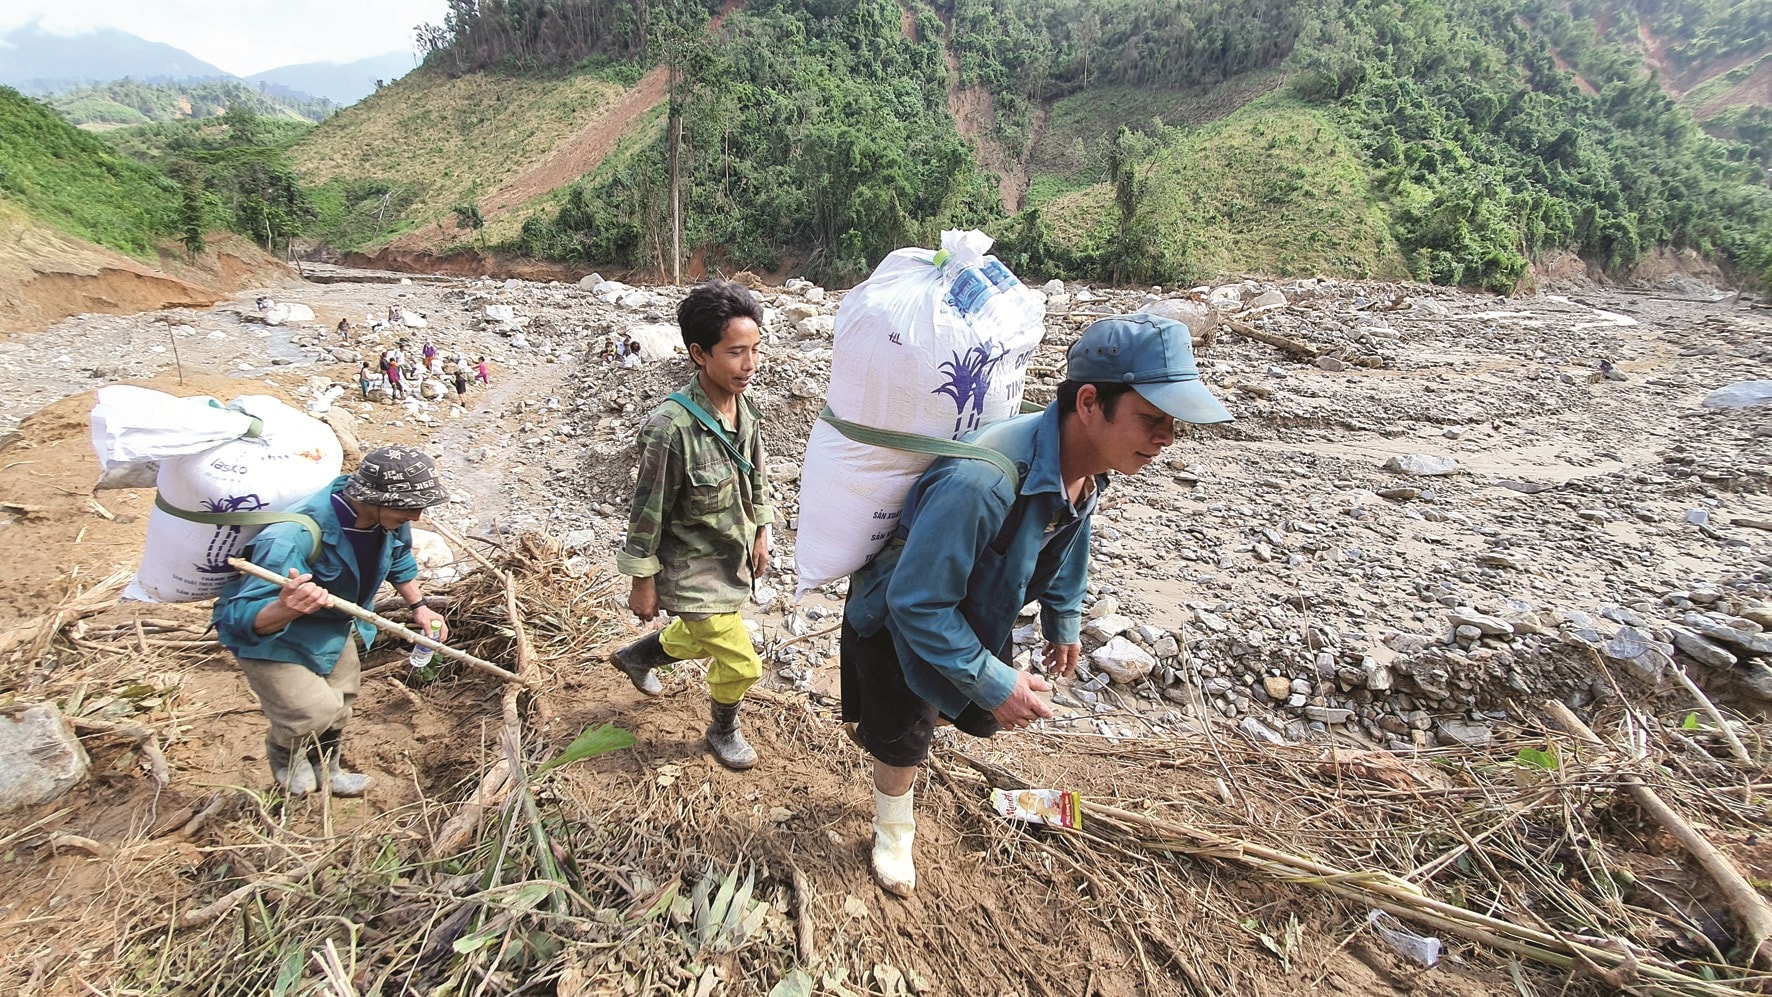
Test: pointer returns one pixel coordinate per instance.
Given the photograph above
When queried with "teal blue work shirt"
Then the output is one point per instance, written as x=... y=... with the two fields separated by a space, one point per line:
x=969 y=552
x=316 y=640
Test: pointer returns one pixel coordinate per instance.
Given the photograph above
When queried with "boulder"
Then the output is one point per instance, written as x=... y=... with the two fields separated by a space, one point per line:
x=1425 y=465
x=816 y=327
x=436 y=560
x=344 y=427
x=590 y=281
x=1328 y=714
x=1200 y=318
x=656 y=341
x=1744 y=641
x=1468 y=733
x=1270 y=298
x=1228 y=297
x=40 y=758
x=1701 y=650
x=321 y=403
x=1741 y=394
x=795 y=312
x=1108 y=627
x=1490 y=626
x=285 y=312
x=499 y=313
x=1123 y=661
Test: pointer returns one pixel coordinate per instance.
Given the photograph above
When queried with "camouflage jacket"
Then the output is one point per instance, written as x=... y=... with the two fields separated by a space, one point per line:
x=696 y=513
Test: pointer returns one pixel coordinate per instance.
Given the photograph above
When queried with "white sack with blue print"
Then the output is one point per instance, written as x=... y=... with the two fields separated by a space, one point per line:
x=254 y=454
x=935 y=344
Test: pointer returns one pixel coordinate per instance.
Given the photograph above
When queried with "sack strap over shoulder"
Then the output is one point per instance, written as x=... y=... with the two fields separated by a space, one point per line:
x=702 y=416
x=243 y=518
x=931 y=445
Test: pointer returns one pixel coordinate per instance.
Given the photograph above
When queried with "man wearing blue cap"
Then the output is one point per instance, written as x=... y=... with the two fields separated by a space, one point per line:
x=928 y=625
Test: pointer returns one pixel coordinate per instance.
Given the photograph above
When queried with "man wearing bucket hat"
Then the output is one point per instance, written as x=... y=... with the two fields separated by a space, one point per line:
x=299 y=657
x=927 y=631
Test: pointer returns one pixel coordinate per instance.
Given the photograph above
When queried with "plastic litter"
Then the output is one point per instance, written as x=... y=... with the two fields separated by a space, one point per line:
x=1420 y=948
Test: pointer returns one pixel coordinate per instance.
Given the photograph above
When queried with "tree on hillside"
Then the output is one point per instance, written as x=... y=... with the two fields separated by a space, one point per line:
x=191 y=215
x=680 y=43
x=243 y=125
x=1132 y=247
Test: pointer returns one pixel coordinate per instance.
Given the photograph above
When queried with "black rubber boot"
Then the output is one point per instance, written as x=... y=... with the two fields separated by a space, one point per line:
x=328 y=762
x=290 y=769
x=637 y=661
x=727 y=741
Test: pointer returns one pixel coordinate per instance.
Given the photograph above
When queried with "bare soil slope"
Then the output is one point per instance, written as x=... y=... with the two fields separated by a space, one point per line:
x=46 y=275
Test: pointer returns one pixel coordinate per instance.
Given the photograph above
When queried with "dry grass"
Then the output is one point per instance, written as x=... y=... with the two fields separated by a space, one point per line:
x=453 y=140
x=1206 y=864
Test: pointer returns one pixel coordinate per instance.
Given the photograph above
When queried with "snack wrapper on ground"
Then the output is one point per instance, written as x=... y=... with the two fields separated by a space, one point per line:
x=1055 y=807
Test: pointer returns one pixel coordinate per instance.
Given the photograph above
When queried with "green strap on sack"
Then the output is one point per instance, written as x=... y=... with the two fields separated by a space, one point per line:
x=243 y=518
x=931 y=445
x=714 y=426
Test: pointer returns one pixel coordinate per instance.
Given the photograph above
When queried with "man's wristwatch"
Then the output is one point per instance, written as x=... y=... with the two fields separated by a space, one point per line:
x=422 y=602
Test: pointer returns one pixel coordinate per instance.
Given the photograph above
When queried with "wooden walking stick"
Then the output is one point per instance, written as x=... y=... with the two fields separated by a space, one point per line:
x=412 y=636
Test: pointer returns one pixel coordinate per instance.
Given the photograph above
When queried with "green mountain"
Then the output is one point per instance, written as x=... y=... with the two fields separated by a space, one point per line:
x=1137 y=140
x=1147 y=141
x=129 y=102
x=73 y=181
x=134 y=188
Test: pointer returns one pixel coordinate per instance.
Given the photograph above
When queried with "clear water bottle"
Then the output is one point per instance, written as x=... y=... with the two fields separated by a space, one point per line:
x=422 y=670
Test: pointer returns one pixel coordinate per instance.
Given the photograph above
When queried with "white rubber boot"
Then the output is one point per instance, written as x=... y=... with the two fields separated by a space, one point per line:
x=894 y=829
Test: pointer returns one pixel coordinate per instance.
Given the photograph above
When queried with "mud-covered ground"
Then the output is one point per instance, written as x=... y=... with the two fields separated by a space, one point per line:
x=1596 y=524
x=1302 y=577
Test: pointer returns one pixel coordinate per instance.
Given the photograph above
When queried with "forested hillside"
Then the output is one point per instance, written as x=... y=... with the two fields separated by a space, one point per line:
x=1455 y=139
x=130 y=102
x=70 y=179
x=175 y=181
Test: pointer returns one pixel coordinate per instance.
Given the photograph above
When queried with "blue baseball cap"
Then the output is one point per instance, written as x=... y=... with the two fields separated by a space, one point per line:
x=1153 y=354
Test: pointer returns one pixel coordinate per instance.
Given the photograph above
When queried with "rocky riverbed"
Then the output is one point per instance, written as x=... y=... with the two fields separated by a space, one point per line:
x=1434 y=511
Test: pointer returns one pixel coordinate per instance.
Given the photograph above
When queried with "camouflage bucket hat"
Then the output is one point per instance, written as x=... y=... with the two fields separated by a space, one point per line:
x=397 y=477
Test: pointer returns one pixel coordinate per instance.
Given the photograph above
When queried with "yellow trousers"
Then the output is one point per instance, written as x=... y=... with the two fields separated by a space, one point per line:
x=733 y=665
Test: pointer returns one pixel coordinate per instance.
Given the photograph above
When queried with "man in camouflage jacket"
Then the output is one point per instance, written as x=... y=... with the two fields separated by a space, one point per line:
x=700 y=516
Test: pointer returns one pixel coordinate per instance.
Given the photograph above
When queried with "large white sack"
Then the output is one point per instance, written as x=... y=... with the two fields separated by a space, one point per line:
x=133 y=425
x=292 y=457
x=936 y=350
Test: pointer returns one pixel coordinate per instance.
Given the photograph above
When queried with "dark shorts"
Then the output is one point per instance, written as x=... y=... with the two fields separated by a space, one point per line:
x=895 y=724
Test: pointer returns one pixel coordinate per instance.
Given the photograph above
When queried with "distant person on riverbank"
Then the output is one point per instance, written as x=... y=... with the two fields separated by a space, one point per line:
x=344 y=330
x=700 y=516
x=365 y=379
x=480 y=373
x=396 y=381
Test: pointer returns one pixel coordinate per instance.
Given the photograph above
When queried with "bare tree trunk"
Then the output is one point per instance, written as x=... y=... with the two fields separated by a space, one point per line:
x=676 y=193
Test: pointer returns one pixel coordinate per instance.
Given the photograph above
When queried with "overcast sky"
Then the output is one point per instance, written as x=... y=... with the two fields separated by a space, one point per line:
x=243 y=36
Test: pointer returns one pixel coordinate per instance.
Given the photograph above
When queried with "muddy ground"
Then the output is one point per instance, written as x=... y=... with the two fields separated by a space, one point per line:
x=1282 y=581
